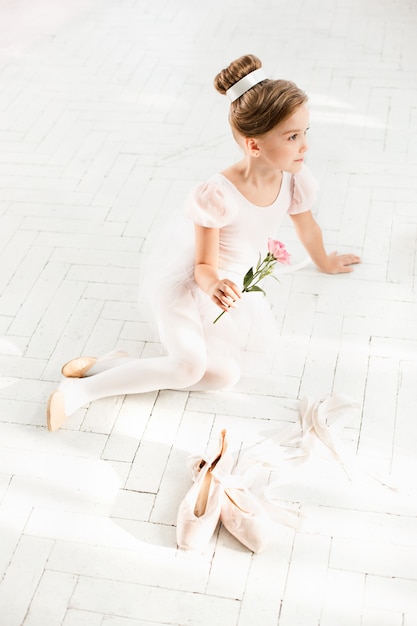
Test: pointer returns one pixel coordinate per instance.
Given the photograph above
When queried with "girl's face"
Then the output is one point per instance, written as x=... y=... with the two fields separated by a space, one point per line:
x=284 y=146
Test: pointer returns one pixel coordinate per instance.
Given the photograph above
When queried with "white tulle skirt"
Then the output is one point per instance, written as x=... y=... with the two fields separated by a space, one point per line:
x=167 y=271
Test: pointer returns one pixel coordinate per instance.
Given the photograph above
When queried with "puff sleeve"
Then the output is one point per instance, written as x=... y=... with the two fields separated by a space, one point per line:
x=305 y=190
x=209 y=205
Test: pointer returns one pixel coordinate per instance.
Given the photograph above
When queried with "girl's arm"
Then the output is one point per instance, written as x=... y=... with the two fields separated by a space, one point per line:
x=223 y=292
x=310 y=235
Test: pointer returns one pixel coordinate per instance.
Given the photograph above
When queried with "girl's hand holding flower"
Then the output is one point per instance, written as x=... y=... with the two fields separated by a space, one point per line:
x=276 y=253
x=224 y=293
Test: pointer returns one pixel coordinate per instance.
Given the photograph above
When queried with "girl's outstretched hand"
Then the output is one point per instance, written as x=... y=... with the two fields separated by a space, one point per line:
x=340 y=263
x=224 y=293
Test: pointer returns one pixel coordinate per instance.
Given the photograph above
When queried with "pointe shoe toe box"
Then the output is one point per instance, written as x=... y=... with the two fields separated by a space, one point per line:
x=246 y=519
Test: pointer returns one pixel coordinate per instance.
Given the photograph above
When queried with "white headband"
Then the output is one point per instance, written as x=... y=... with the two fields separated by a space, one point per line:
x=244 y=84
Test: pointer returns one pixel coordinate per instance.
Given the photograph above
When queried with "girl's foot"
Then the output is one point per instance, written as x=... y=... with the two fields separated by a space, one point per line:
x=55 y=412
x=81 y=366
x=77 y=368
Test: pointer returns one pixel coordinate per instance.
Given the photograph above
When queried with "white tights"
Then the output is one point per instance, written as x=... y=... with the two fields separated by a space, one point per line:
x=197 y=358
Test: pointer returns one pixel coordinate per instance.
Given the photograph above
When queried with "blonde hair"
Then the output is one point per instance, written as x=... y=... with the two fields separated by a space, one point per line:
x=262 y=107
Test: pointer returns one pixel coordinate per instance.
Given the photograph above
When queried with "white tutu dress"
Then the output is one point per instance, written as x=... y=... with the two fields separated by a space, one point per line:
x=244 y=228
x=197 y=354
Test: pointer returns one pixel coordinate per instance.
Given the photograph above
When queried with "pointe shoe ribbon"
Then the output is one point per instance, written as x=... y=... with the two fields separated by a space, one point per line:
x=318 y=417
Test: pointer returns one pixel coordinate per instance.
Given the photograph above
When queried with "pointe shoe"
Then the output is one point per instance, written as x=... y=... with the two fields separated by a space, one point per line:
x=199 y=512
x=78 y=367
x=55 y=411
x=244 y=516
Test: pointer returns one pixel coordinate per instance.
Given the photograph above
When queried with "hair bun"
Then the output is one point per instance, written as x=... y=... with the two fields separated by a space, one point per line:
x=237 y=70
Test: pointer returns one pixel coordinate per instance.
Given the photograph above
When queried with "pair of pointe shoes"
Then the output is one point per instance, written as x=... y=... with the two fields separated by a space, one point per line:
x=218 y=494
x=76 y=368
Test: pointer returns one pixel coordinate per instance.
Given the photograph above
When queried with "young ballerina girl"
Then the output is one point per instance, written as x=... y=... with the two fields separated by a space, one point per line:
x=234 y=213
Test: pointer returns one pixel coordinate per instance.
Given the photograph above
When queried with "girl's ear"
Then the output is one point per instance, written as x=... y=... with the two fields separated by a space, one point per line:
x=252 y=146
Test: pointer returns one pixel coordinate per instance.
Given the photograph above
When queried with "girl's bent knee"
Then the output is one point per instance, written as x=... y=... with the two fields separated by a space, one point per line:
x=225 y=375
x=231 y=373
x=189 y=372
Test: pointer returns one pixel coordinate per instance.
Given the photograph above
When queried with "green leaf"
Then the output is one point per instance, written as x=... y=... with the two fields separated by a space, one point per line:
x=256 y=288
x=248 y=277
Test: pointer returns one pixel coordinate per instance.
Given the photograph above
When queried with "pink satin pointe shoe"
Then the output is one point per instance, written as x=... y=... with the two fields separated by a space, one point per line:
x=78 y=367
x=55 y=411
x=244 y=516
x=199 y=512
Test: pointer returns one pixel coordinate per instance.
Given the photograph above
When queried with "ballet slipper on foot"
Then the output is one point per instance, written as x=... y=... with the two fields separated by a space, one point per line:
x=244 y=516
x=55 y=412
x=78 y=367
x=199 y=512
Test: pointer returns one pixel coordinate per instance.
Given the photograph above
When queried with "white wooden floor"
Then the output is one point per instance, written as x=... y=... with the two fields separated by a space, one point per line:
x=107 y=117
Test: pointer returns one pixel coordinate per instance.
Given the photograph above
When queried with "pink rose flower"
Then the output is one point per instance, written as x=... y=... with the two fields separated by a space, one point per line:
x=276 y=254
x=278 y=251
